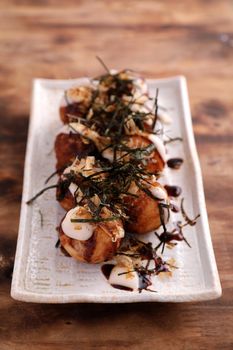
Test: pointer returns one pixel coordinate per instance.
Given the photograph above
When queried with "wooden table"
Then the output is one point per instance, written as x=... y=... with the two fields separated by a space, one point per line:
x=158 y=39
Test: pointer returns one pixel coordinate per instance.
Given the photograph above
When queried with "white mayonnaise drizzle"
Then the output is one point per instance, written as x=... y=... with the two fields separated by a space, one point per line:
x=73 y=188
x=81 y=231
x=129 y=279
x=158 y=142
x=158 y=192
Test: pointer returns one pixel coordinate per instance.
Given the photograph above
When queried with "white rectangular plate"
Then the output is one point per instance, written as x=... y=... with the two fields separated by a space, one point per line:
x=43 y=274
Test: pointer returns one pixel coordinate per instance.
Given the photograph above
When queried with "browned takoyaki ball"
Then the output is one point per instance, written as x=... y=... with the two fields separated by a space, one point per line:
x=76 y=104
x=143 y=212
x=154 y=162
x=69 y=146
x=101 y=246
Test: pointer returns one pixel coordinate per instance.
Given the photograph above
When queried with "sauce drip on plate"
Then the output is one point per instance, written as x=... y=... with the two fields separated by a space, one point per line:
x=175 y=163
x=173 y=191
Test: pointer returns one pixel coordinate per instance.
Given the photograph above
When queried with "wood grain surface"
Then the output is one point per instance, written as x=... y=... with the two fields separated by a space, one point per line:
x=59 y=39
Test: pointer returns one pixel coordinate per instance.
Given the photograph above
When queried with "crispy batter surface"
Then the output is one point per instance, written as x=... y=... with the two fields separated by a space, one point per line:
x=68 y=147
x=76 y=109
x=143 y=212
x=155 y=163
x=67 y=202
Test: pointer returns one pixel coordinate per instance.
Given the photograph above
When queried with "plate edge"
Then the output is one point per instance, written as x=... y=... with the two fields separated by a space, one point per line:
x=24 y=295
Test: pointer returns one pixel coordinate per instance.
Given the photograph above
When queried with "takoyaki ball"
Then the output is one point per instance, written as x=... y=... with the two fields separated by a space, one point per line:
x=154 y=163
x=76 y=103
x=143 y=211
x=70 y=146
x=88 y=241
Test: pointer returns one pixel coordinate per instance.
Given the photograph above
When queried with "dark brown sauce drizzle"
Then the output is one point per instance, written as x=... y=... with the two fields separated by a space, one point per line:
x=106 y=269
x=171 y=236
x=144 y=282
x=174 y=207
x=175 y=163
x=118 y=286
x=57 y=245
x=173 y=191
